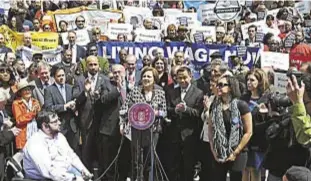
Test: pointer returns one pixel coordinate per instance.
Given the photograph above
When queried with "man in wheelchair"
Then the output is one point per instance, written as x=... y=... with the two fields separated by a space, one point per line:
x=47 y=154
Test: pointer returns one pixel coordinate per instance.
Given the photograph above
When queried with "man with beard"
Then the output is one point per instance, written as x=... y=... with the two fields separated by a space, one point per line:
x=19 y=69
x=59 y=98
x=47 y=154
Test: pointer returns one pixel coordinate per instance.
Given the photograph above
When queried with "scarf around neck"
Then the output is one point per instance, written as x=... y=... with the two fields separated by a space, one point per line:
x=223 y=145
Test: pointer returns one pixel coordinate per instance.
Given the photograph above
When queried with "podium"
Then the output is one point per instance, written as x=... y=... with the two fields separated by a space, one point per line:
x=144 y=135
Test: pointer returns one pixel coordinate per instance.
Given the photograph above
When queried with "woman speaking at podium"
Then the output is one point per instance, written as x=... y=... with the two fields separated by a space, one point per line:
x=150 y=93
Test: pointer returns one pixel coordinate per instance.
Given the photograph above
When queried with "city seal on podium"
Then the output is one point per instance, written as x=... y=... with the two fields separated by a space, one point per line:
x=227 y=10
x=141 y=116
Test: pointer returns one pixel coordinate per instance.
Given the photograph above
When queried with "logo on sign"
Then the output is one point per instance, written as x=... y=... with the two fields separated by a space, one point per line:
x=141 y=116
x=227 y=10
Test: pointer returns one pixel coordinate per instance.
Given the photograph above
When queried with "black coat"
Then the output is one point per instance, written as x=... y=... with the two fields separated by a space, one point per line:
x=5 y=138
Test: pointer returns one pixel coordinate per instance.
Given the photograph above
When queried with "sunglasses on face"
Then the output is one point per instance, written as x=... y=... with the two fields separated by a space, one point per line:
x=222 y=85
x=3 y=70
x=97 y=33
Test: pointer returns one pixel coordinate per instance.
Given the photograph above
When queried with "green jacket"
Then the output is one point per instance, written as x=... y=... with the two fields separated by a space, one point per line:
x=302 y=123
x=103 y=65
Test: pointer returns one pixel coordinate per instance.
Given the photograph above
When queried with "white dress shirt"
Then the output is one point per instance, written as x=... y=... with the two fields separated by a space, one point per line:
x=74 y=53
x=184 y=92
x=50 y=158
x=62 y=90
x=93 y=82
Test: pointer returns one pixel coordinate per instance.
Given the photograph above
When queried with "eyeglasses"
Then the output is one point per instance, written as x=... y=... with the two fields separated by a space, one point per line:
x=80 y=21
x=222 y=85
x=3 y=70
x=96 y=33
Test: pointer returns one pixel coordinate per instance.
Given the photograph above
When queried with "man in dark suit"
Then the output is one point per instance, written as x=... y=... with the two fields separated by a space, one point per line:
x=185 y=105
x=96 y=105
x=59 y=98
x=78 y=52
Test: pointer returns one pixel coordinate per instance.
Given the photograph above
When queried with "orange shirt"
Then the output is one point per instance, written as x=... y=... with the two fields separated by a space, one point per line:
x=23 y=117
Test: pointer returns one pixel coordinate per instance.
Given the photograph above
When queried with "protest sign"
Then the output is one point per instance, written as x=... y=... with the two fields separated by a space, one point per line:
x=206 y=11
x=275 y=60
x=45 y=40
x=50 y=56
x=280 y=82
x=208 y=31
x=260 y=28
x=136 y=15
x=114 y=29
x=93 y=17
x=12 y=39
x=82 y=37
x=143 y=35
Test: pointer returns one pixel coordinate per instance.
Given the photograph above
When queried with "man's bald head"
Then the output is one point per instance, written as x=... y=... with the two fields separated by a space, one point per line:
x=92 y=64
x=27 y=39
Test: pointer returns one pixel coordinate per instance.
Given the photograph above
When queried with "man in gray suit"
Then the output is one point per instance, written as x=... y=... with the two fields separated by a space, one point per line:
x=42 y=82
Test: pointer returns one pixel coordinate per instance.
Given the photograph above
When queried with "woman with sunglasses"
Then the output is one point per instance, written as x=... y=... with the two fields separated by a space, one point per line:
x=257 y=97
x=230 y=129
x=7 y=83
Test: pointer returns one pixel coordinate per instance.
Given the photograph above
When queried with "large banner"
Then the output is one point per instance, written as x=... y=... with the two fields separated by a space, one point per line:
x=93 y=17
x=198 y=54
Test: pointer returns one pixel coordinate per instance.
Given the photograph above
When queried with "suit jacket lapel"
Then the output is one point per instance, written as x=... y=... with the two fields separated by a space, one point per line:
x=68 y=93
x=188 y=93
x=178 y=95
x=99 y=79
x=59 y=93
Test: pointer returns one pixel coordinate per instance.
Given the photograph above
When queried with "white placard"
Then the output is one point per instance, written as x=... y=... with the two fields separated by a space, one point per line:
x=208 y=31
x=303 y=7
x=114 y=29
x=261 y=26
x=92 y=18
x=52 y=56
x=82 y=37
x=206 y=11
x=275 y=60
x=136 y=15
x=143 y=35
x=280 y=82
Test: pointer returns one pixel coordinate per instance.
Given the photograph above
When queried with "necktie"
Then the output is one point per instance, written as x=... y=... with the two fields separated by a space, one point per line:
x=46 y=84
x=123 y=94
x=183 y=94
x=63 y=92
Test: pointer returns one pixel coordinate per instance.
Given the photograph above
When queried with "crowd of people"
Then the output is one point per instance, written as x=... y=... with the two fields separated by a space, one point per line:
x=69 y=121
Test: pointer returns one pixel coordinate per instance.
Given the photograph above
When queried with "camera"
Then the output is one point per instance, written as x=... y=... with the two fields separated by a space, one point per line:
x=279 y=101
x=297 y=74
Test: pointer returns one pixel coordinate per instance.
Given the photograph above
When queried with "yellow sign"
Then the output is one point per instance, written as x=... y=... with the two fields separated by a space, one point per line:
x=43 y=40
x=12 y=39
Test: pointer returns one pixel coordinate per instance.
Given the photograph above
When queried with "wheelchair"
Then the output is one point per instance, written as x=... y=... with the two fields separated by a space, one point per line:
x=14 y=169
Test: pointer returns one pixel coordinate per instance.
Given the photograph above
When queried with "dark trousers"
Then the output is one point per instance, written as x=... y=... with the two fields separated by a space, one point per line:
x=181 y=158
x=108 y=146
x=124 y=160
x=73 y=140
x=206 y=158
x=235 y=169
x=89 y=147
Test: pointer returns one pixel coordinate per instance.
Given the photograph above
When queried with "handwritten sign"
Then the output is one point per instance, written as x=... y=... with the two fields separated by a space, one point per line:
x=275 y=60
x=280 y=82
x=115 y=29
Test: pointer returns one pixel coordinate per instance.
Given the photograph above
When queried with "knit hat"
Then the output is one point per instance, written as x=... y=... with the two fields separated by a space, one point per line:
x=296 y=173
